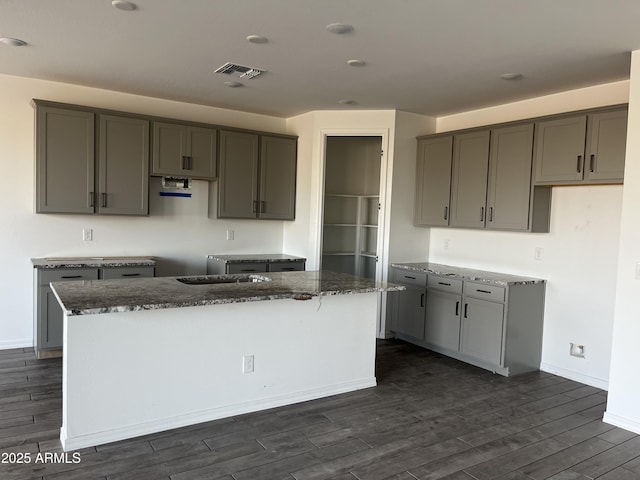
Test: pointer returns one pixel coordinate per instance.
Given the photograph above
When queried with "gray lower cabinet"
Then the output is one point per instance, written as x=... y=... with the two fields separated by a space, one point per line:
x=257 y=176
x=219 y=266
x=184 y=150
x=433 y=181
x=408 y=316
x=48 y=316
x=582 y=149
x=498 y=328
x=71 y=178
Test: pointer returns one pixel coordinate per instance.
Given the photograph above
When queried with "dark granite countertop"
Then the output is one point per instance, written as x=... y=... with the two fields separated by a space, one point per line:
x=493 y=278
x=257 y=258
x=92 y=262
x=123 y=295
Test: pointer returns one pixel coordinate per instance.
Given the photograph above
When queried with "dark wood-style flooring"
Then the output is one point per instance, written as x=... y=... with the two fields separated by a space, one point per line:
x=430 y=417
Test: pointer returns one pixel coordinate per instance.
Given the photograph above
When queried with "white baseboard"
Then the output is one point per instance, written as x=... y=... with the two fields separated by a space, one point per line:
x=575 y=376
x=114 y=435
x=16 y=343
x=622 y=422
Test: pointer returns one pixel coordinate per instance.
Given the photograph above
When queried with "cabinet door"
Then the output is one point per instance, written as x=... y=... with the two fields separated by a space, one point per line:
x=433 y=181
x=64 y=161
x=202 y=157
x=169 y=149
x=50 y=319
x=481 y=330
x=559 y=151
x=123 y=166
x=469 y=182
x=606 y=144
x=277 y=178
x=238 y=182
x=509 y=187
x=411 y=312
x=443 y=319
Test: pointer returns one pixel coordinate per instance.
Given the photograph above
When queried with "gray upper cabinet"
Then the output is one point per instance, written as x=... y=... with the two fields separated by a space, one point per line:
x=257 y=176
x=509 y=183
x=69 y=176
x=123 y=166
x=585 y=149
x=606 y=145
x=184 y=150
x=469 y=179
x=277 y=178
x=65 y=163
x=433 y=181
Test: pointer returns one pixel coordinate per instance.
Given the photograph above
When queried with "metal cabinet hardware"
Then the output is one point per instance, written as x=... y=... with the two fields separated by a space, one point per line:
x=457 y=308
x=254 y=207
x=130 y=274
x=444 y=283
x=263 y=206
x=592 y=163
x=481 y=214
x=422 y=300
x=407 y=276
x=482 y=291
x=466 y=308
x=71 y=276
x=446 y=212
x=579 y=164
x=103 y=202
x=92 y=199
x=491 y=214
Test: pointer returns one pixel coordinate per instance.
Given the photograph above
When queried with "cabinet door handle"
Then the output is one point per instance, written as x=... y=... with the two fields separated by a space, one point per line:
x=579 y=164
x=491 y=214
x=103 y=202
x=263 y=206
x=92 y=199
x=422 y=300
x=481 y=214
x=185 y=162
x=592 y=162
x=446 y=212
x=457 y=308
x=190 y=163
x=466 y=308
x=67 y=277
x=254 y=207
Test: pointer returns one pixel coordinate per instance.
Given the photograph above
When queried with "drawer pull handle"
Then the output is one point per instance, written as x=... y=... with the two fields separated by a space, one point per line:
x=248 y=270
x=71 y=276
x=407 y=276
x=482 y=291
x=289 y=269
x=130 y=274
x=444 y=283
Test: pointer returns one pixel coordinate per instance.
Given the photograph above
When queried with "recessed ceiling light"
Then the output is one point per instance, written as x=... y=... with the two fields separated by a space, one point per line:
x=257 y=39
x=511 y=76
x=339 y=28
x=233 y=84
x=356 y=63
x=124 y=5
x=12 y=42
x=346 y=101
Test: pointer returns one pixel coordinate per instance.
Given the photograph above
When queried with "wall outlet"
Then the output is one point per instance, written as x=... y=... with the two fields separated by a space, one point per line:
x=537 y=253
x=445 y=245
x=87 y=234
x=576 y=350
x=247 y=364
x=230 y=234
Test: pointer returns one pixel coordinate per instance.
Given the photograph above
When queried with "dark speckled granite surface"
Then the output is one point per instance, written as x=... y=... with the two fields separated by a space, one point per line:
x=493 y=278
x=258 y=258
x=107 y=296
x=92 y=262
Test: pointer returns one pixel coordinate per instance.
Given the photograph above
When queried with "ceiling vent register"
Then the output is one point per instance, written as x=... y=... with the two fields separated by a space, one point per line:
x=243 y=71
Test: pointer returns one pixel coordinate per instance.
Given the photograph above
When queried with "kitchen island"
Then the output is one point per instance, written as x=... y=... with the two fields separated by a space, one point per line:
x=150 y=354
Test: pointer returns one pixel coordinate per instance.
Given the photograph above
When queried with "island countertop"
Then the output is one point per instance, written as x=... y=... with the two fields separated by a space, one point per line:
x=125 y=295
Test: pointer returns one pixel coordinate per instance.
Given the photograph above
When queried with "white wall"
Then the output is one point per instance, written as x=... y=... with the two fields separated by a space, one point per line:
x=624 y=391
x=580 y=252
x=179 y=230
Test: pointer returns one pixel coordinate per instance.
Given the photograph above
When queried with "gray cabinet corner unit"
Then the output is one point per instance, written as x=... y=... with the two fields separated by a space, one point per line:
x=89 y=162
x=184 y=150
x=48 y=315
x=496 y=327
x=257 y=176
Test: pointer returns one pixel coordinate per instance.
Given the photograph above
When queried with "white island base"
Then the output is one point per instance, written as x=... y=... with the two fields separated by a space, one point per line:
x=127 y=374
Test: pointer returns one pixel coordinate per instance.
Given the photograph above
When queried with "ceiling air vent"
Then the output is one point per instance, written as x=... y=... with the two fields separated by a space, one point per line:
x=244 y=72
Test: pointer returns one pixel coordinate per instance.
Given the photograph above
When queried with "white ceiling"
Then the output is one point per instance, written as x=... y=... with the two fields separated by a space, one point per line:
x=433 y=57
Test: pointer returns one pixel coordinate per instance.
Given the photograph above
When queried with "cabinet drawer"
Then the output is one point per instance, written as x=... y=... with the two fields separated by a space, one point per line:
x=484 y=291
x=286 y=266
x=246 y=267
x=127 y=272
x=66 y=274
x=446 y=284
x=410 y=278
